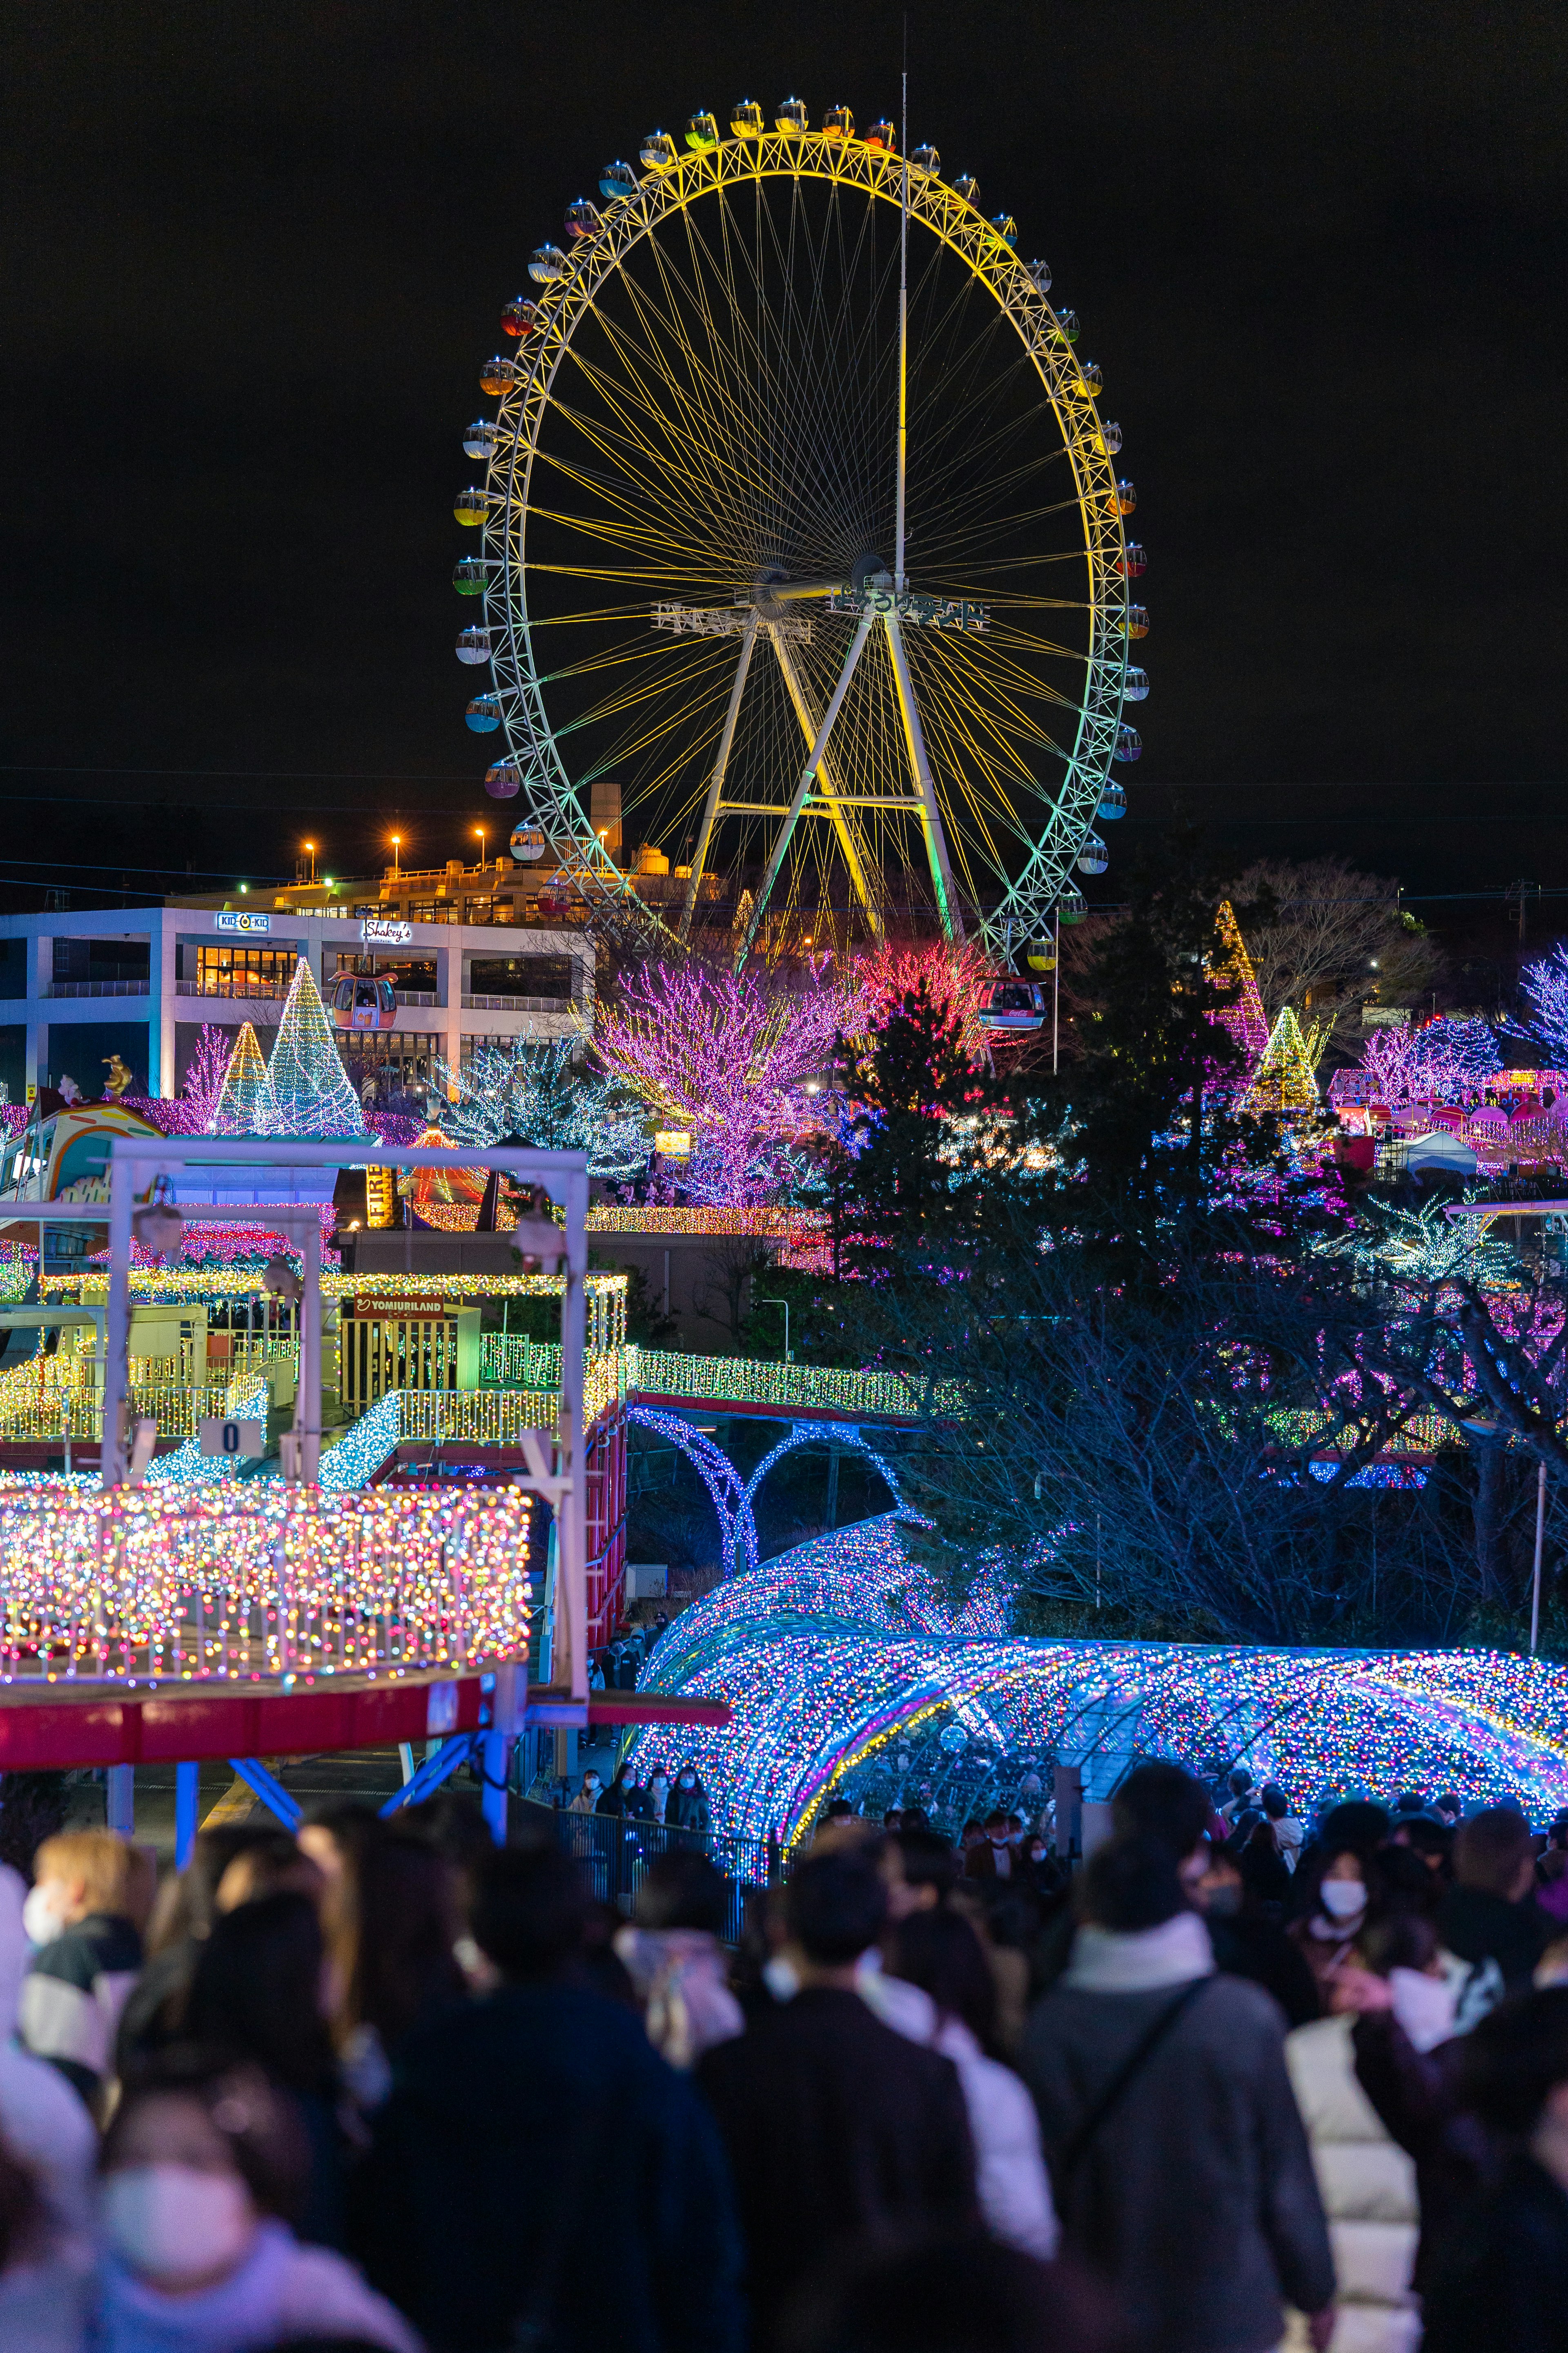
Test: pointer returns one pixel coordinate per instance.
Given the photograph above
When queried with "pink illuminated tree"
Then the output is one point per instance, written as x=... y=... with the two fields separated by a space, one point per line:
x=952 y=971
x=204 y=1078
x=724 y=1057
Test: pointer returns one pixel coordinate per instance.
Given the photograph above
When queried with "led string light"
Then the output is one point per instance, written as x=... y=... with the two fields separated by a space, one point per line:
x=230 y=1583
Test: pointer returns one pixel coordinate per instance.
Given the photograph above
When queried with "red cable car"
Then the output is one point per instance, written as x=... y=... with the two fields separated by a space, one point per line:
x=361 y=1001
x=1009 y=1006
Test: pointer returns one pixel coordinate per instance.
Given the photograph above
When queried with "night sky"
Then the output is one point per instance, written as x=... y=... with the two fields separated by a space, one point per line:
x=257 y=256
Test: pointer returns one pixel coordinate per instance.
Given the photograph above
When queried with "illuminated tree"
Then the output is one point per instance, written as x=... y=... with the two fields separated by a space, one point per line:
x=204 y=1078
x=724 y=1057
x=1546 y=986
x=948 y=971
x=1284 y=1080
x=533 y=1095
x=307 y=1091
x=1244 y=1015
x=237 y=1110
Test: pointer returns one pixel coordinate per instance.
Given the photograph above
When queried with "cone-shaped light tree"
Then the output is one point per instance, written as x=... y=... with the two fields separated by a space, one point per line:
x=1284 y=1080
x=1243 y=1017
x=307 y=1091
x=238 y=1109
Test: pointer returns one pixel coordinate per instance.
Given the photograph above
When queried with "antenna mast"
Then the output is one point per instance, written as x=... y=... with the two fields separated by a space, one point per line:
x=899 y=582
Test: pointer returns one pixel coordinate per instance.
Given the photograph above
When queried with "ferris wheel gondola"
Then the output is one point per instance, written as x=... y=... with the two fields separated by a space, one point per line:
x=363 y=1001
x=801 y=521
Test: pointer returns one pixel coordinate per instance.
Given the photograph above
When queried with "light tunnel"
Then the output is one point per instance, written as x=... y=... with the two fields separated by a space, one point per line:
x=849 y=1674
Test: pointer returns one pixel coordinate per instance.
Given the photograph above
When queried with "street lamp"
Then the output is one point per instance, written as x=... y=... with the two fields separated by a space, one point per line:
x=396 y=845
x=310 y=848
x=480 y=831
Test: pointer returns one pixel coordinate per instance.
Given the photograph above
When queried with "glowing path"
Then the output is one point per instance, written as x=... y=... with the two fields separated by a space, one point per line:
x=848 y=1674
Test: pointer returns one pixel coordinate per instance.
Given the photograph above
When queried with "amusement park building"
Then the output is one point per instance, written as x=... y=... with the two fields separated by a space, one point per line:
x=478 y=956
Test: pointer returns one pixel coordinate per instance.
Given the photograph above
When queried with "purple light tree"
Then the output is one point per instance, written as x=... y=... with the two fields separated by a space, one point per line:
x=724 y=1058
x=204 y=1078
x=1546 y=986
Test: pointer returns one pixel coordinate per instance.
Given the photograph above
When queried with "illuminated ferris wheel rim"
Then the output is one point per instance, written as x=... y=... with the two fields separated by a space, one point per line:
x=564 y=301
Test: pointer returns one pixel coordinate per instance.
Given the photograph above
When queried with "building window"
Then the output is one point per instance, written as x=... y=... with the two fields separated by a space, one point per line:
x=431 y=910
x=244 y=972
x=490 y=911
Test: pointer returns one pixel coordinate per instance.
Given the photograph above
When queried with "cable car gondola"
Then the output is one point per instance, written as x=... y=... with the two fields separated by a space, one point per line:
x=363 y=1001
x=1009 y=1006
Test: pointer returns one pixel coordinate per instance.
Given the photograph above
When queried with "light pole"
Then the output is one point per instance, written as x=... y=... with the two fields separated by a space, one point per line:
x=1535 y=1578
x=789 y=1357
x=309 y=847
x=396 y=846
x=480 y=831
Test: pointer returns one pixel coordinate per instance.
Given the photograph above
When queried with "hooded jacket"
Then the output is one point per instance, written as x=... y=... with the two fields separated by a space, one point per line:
x=1196 y=2198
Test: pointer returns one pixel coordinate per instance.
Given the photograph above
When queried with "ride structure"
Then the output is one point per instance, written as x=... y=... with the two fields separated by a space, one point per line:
x=801 y=545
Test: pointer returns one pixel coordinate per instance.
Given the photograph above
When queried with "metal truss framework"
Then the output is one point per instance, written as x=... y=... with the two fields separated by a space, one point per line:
x=547 y=792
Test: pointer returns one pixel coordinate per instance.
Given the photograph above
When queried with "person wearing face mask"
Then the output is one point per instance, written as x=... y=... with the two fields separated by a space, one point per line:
x=200 y=2168
x=1336 y=1911
x=658 y=1793
x=1369 y=2184
x=89 y=1950
x=687 y=1809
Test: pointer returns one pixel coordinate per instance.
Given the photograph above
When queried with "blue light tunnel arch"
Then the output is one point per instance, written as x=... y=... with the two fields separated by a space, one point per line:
x=734 y=1499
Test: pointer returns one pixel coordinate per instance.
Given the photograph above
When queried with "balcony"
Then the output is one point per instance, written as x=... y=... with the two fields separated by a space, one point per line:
x=97 y=988
x=416 y=997
x=262 y=992
x=517 y=1005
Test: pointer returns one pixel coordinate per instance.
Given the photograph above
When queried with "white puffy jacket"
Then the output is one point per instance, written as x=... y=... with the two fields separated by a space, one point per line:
x=1010 y=2177
x=1368 y=2189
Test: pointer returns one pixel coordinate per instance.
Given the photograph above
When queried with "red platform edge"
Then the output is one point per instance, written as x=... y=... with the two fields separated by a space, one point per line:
x=176 y=1728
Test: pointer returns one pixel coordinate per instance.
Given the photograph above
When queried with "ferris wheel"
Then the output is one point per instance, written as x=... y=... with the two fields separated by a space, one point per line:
x=801 y=530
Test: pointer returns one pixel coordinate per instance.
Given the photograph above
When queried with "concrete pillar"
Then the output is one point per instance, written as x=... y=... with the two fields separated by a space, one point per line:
x=121 y=1799
x=162 y=1078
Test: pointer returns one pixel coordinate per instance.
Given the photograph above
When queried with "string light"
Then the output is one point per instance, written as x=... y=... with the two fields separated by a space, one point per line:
x=179 y=1582
x=841 y=1651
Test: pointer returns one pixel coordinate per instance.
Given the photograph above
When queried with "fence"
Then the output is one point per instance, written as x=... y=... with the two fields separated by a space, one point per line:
x=613 y=1854
x=789 y=1388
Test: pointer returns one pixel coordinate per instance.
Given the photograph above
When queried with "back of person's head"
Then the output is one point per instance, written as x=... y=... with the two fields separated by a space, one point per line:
x=839 y=1811
x=834 y=1906
x=940 y=1953
x=968 y=2295
x=1163 y=1801
x=98 y=1861
x=683 y=1890
x=927 y=1860
x=1275 y=1804
x=1409 y=1801
x=1131 y=1883
x=391 y=1921
x=1358 y=1827
x=1433 y=1840
x=258 y=1986
x=1407 y=1879
x=1399 y=1939
x=915 y=1818
x=257 y=2121
x=187 y=1900
x=530 y=1911
x=272 y=1864
x=1448 y=1802
x=1489 y=1850
x=1239 y=1778
x=1513 y=2062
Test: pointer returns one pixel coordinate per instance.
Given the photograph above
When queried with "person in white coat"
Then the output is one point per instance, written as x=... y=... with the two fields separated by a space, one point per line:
x=936 y=1987
x=1366 y=2180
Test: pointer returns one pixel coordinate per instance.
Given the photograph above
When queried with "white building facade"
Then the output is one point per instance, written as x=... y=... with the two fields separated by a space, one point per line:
x=77 y=987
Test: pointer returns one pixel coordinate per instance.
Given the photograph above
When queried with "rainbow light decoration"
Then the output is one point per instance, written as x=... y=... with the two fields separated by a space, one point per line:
x=254 y=1583
x=839 y=1652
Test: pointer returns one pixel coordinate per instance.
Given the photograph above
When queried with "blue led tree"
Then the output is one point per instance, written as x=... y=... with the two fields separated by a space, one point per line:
x=307 y=1091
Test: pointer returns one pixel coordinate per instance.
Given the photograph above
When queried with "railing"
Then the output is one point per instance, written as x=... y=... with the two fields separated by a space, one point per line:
x=507 y=1361
x=263 y=992
x=517 y=1004
x=788 y=1389
x=612 y=1854
x=97 y=988
x=416 y=997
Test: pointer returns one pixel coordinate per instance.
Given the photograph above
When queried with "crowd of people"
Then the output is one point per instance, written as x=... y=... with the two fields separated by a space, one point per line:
x=1240 y=2082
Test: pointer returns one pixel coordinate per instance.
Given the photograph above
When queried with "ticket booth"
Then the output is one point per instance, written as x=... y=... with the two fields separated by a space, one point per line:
x=405 y=1344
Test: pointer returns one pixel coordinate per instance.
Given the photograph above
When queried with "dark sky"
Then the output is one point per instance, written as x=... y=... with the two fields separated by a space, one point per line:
x=256 y=255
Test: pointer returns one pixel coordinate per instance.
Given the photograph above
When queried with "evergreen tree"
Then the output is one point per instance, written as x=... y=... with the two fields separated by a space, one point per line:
x=306 y=1092
x=909 y=1198
x=237 y=1110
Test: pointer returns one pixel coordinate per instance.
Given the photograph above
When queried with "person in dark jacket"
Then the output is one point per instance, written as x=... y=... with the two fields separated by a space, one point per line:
x=1249 y=1942
x=1490 y=1915
x=1498 y=2271
x=1181 y=2167
x=839 y=2129
x=516 y=2125
x=688 y=1808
